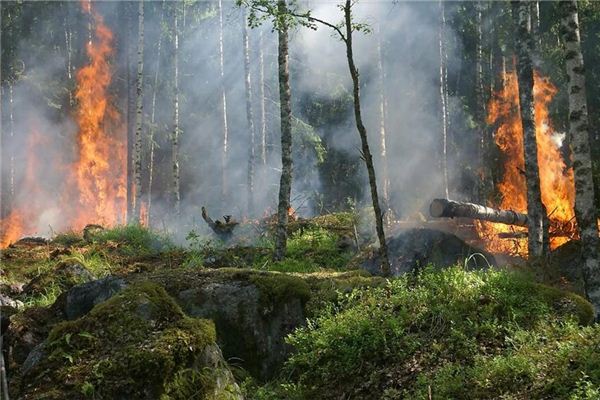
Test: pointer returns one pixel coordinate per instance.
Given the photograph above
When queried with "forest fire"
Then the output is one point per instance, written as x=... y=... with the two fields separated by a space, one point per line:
x=96 y=180
x=100 y=172
x=556 y=179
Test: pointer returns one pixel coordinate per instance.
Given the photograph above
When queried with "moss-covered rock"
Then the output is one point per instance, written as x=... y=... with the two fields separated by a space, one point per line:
x=136 y=345
x=255 y=310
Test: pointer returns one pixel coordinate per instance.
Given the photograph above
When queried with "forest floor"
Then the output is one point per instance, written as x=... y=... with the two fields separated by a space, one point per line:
x=97 y=316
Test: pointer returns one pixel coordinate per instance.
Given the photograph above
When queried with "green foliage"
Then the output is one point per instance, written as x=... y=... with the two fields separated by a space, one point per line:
x=451 y=330
x=134 y=240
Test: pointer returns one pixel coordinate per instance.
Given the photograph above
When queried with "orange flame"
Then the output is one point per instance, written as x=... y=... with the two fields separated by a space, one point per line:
x=100 y=172
x=96 y=181
x=556 y=180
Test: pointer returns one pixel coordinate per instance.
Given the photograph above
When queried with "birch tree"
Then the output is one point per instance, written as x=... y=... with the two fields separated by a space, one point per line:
x=249 y=118
x=139 y=109
x=281 y=15
x=225 y=129
x=176 y=130
x=263 y=107
x=537 y=229
x=344 y=32
x=579 y=135
x=152 y=130
x=443 y=96
x=382 y=130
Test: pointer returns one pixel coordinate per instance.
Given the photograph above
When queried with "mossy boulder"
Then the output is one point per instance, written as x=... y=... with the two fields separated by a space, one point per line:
x=255 y=310
x=137 y=345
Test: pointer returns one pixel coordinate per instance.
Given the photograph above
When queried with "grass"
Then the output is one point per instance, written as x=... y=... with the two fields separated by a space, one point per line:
x=134 y=240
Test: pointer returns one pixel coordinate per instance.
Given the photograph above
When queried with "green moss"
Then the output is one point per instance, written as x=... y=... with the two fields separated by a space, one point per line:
x=277 y=288
x=132 y=345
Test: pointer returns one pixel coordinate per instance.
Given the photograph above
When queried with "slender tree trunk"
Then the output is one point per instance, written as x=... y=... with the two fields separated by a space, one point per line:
x=366 y=152
x=285 y=99
x=263 y=108
x=535 y=23
x=130 y=113
x=139 y=110
x=480 y=111
x=579 y=138
x=11 y=135
x=153 y=115
x=535 y=209
x=69 y=51
x=225 y=131
x=382 y=131
x=443 y=98
x=249 y=118
x=176 y=131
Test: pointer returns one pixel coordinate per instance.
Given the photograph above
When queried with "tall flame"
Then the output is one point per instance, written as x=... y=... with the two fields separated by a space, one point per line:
x=556 y=180
x=100 y=172
x=94 y=188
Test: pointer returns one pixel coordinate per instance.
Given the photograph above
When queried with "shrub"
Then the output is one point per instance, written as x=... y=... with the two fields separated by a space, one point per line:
x=466 y=334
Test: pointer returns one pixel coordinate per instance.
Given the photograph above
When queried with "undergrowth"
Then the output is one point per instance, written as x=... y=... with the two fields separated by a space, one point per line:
x=456 y=334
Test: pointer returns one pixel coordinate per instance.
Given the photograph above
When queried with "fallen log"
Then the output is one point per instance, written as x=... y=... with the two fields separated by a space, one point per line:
x=457 y=209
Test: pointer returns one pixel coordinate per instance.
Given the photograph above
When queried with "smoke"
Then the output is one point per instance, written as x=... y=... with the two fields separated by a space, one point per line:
x=409 y=38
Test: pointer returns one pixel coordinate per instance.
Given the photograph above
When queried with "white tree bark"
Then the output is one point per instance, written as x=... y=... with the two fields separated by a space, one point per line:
x=382 y=132
x=176 y=129
x=249 y=117
x=263 y=108
x=443 y=97
x=139 y=110
x=225 y=129
x=152 y=130
x=579 y=135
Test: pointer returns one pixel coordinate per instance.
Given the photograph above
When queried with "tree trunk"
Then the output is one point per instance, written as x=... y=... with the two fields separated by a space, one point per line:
x=535 y=23
x=153 y=116
x=225 y=131
x=454 y=209
x=263 y=108
x=139 y=109
x=249 y=118
x=537 y=238
x=130 y=112
x=366 y=152
x=382 y=131
x=69 y=51
x=175 y=134
x=480 y=111
x=579 y=140
x=285 y=99
x=443 y=97
x=11 y=135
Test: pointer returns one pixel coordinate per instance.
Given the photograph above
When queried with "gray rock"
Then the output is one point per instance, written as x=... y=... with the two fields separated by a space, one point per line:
x=249 y=333
x=36 y=355
x=6 y=301
x=82 y=298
